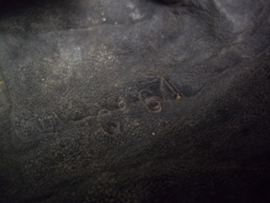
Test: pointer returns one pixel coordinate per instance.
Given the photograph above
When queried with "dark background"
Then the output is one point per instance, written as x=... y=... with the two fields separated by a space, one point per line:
x=134 y=101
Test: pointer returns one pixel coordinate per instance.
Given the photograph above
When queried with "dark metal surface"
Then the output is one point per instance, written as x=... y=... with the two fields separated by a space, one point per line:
x=135 y=101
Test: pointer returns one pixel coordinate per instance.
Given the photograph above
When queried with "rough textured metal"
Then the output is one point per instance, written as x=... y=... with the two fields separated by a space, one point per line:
x=135 y=101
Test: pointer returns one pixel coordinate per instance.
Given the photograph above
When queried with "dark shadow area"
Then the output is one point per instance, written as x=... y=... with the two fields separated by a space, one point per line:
x=134 y=101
